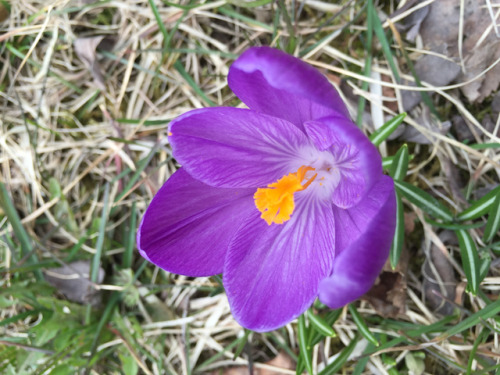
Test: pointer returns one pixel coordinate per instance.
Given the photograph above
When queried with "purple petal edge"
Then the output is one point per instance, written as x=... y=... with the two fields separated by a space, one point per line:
x=234 y=147
x=367 y=231
x=273 y=82
x=177 y=232
x=271 y=274
x=358 y=160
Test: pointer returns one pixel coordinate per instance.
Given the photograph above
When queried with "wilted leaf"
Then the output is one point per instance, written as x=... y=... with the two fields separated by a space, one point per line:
x=432 y=69
x=282 y=360
x=4 y=11
x=388 y=295
x=439 y=280
x=86 y=49
x=72 y=281
x=425 y=119
x=413 y=21
x=440 y=33
x=416 y=365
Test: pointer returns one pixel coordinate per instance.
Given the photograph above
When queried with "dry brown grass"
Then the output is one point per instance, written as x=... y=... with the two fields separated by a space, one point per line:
x=83 y=149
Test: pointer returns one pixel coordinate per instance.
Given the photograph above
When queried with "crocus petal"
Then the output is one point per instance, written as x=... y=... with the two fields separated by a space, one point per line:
x=188 y=225
x=357 y=159
x=231 y=147
x=273 y=82
x=271 y=274
x=364 y=235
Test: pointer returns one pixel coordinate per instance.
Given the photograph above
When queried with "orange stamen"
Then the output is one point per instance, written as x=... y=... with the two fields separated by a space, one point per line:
x=276 y=201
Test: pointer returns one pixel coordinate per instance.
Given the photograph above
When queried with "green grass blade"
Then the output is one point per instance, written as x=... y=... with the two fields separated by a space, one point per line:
x=386 y=46
x=423 y=200
x=305 y=350
x=231 y=13
x=380 y=135
x=481 y=338
x=480 y=207
x=361 y=324
x=249 y=4
x=96 y=261
x=241 y=344
x=490 y=311
x=484 y=265
x=398 y=170
x=493 y=224
x=363 y=361
x=19 y=231
x=334 y=367
x=106 y=316
x=36 y=64
x=190 y=81
x=453 y=226
x=137 y=174
x=320 y=324
x=199 y=369
x=159 y=21
x=387 y=162
x=399 y=165
x=290 y=48
x=398 y=241
x=470 y=259
x=130 y=243
x=368 y=62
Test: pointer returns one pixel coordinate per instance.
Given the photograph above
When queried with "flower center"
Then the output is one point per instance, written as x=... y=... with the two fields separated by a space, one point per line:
x=276 y=201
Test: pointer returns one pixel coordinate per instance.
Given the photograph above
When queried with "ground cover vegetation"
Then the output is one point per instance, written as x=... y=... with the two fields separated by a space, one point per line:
x=87 y=90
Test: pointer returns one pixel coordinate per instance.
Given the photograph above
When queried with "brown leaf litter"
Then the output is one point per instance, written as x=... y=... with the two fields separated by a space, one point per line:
x=86 y=50
x=388 y=294
x=461 y=51
x=72 y=280
x=281 y=361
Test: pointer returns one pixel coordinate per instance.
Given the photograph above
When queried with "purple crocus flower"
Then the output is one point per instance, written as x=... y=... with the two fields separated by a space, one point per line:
x=286 y=199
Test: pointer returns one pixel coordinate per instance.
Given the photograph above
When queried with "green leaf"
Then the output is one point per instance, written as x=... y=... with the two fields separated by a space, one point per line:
x=63 y=211
x=320 y=324
x=399 y=166
x=362 y=327
x=493 y=224
x=484 y=265
x=249 y=4
x=63 y=369
x=481 y=338
x=241 y=344
x=387 y=162
x=305 y=350
x=470 y=259
x=480 y=207
x=129 y=364
x=490 y=311
x=398 y=170
x=334 y=367
x=363 y=360
x=368 y=62
x=385 y=44
x=423 y=200
x=191 y=82
x=414 y=364
x=130 y=240
x=399 y=234
x=381 y=134
x=231 y=13
x=453 y=226
x=12 y=216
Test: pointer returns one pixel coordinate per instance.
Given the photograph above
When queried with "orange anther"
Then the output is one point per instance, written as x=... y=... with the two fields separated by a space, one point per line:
x=276 y=202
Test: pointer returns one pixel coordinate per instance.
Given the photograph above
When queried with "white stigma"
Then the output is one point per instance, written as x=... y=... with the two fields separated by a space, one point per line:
x=326 y=168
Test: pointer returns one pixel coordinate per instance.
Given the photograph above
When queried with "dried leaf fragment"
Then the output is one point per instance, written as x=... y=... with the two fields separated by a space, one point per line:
x=72 y=280
x=86 y=49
